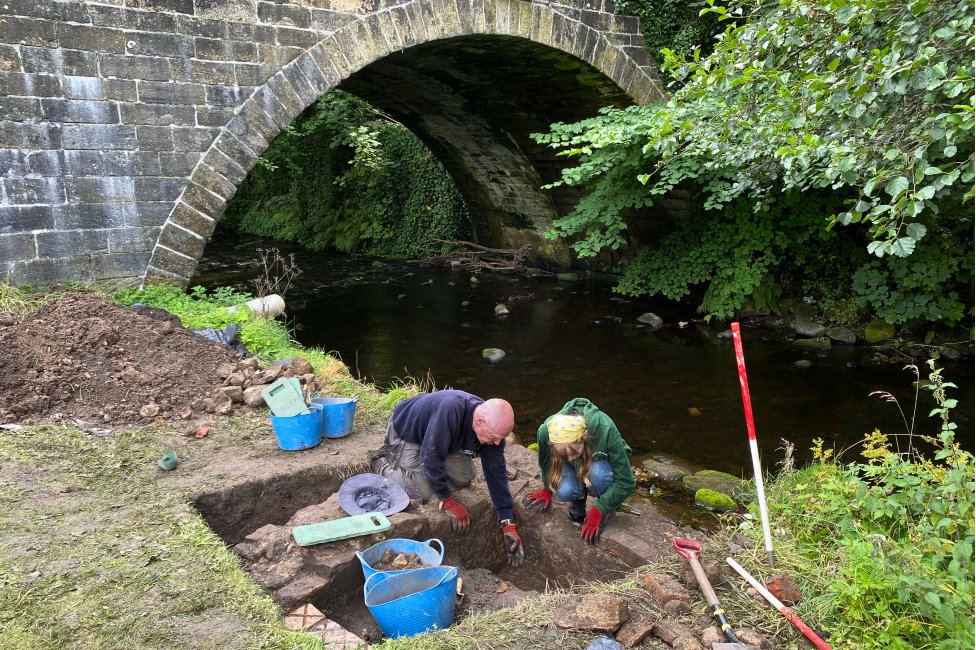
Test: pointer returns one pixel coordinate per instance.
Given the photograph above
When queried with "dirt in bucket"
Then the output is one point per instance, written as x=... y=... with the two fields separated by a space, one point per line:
x=398 y=561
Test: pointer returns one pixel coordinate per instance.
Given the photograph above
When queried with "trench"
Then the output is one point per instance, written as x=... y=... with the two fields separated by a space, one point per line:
x=238 y=511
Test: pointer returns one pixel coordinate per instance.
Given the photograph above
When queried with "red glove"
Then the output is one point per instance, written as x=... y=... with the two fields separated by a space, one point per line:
x=513 y=544
x=542 y=498
x=592 y=526
x=460 y=519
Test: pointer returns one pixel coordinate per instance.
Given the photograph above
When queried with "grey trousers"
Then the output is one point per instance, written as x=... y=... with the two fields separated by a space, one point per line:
x=400 y=463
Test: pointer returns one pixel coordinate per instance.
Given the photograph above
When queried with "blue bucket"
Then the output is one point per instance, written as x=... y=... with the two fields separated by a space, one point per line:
x=302 y=431
x=374 y=554
x=412 y=602
x=338 y=415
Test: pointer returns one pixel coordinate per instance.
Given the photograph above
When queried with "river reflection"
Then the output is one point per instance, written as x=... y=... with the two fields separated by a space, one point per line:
x=568 y=340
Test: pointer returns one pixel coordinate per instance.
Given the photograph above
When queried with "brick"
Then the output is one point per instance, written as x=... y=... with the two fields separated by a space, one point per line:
x=95 y=88
x=267 y=101
x=99 y=136
x=99 y=189
x=59 y=11
x=212 y=72
x=133 y=240
x=236 y=151
x=225 y=166
x=43 y=136
x=157 y=92
x=134 y=163
x=254 y=115
x=21 y=109
x=210 y=180
x=203 y=200
x=279 y=14
x=246 y=30
x=134 y=67
x=220 y=50
x=226 y=95
x=68 y=243
x=287 y=95
x=172 y=6
x=145 y=215
x=83 y=163
x=329 y=21
x=172 y=263
x=299 y=38
x=320 y=81
x=80 y=111
x=664 y=588
x=25 y=218
x=158 y=114
x=329 y=53
x=11 y=135
x=300 y=85
x=14 y=248
x=153 y=44
x=403 y=28
x=46 y=163
x=182 y=241
x=180 y=163
x=420 y=29
x=90 y=38
x=190 y=219
x=13 y=162
x=84 y=216
x=28 y=31
x=119 y=270
x=154 y=138
x=631 y=549
x=29 y=191
x=52 y=271
x=32 y=85
x=10 y=60
x=249 y=136
x=202 y=27
x=248 y=74
x=157 y=188
x=193 y=139
x=216 y=116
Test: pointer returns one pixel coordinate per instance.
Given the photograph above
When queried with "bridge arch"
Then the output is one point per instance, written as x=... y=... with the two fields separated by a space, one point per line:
x=365 y=46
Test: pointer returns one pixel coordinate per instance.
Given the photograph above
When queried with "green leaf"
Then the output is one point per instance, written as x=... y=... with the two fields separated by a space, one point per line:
x=915 y=230
x=903 y=247
x=896 y=186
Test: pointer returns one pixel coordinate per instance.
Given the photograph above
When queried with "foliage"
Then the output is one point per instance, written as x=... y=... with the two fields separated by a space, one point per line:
x=196 y=309
x=346 y=176
x=898 y=530
x=870 y=101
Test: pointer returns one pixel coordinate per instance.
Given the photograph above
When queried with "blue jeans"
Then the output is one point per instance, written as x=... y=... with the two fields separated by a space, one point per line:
x=572 y=489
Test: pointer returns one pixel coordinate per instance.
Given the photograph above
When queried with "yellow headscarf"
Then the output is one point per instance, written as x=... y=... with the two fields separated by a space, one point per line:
x=566 y=428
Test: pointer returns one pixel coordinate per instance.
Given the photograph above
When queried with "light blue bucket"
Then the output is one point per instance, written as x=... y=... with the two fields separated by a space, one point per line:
x=412 y=602
x=302 y=431
x=338 y=413
x=374 y=554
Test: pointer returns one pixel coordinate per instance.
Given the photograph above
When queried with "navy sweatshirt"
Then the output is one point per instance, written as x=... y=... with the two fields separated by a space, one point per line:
x=441 y=424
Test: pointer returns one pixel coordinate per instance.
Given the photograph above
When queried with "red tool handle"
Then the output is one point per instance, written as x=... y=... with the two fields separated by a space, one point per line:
x=740 y=360
x=800 y=625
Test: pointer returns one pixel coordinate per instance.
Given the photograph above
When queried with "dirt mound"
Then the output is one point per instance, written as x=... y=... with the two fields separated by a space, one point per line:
x=107 y=365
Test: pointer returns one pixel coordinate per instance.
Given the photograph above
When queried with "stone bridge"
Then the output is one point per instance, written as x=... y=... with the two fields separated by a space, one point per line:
x=127 y=125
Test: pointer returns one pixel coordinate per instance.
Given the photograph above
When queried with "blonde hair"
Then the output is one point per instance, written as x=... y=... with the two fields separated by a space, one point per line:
x=559 y=454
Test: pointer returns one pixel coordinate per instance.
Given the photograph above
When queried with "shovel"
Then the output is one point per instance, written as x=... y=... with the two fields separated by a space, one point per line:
x=690 y=550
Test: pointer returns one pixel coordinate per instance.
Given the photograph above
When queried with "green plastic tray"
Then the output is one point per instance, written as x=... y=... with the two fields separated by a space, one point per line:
x=284 y=398
x=330 y=531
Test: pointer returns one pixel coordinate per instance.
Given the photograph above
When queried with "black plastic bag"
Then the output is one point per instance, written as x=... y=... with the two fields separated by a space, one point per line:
x=226 y=336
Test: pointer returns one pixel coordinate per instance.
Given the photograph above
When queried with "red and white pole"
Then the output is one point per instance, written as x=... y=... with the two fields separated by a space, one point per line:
x=740 y=359
x=783 y=609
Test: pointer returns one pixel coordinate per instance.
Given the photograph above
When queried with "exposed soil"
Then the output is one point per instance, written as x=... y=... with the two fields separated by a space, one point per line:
x=107 y=366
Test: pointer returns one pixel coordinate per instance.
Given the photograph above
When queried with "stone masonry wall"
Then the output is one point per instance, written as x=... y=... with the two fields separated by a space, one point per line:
x=126 y=125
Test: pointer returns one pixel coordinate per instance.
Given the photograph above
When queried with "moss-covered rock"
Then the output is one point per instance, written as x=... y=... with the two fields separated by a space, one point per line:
x=708 y=479
x=568 y=277
x=534 y=447
x=669 y=468
x=821 y=344
x=879 y=330
x=493 y=354
x=714 y=500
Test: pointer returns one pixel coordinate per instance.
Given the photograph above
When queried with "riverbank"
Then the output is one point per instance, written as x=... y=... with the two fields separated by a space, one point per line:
x=102 y=548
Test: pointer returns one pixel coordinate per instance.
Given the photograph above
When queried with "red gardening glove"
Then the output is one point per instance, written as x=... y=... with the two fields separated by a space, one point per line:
x=513 y=545
x=592 y=526
x=542 y=498
x=460 y=519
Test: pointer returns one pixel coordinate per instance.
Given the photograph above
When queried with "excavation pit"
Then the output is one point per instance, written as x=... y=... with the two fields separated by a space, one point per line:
x=256 y=519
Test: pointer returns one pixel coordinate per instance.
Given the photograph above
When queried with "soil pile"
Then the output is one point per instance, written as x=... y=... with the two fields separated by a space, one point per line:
x=110 y=365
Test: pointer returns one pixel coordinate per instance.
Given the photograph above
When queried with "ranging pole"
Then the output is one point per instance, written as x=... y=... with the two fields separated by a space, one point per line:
x=753 y=445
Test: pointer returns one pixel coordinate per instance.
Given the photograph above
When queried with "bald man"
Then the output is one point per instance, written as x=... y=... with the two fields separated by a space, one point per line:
x=431 y=440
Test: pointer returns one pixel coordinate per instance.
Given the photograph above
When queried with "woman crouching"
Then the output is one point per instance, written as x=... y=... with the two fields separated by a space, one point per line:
x=581 y=451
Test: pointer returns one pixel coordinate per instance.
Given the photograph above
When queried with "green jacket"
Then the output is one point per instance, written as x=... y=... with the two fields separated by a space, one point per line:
x=605 y=444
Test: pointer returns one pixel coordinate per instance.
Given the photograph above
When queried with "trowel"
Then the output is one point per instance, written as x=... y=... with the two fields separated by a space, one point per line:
x=690 y=550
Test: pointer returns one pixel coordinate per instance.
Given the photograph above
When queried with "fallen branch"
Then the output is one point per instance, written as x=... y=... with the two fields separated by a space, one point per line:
x=481 y=257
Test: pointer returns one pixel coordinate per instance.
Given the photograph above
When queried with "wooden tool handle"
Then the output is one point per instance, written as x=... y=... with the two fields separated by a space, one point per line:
x=703 y=581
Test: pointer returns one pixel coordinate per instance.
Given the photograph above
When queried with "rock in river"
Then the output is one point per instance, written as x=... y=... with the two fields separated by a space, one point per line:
x=669 y=468
x=717 y=481
x=803 y=363
x=501 y=310
x=821 y=344
x=493 y=354
x=650 y=319
x=879 y=330
x=809 y=328
x=842 y=335
x=714 y=500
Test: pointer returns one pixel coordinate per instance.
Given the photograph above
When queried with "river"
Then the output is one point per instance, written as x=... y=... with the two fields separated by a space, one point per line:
x=571 y=339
